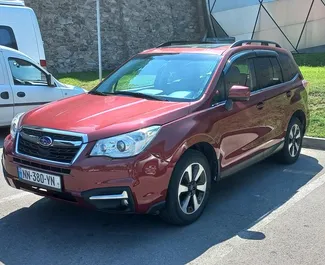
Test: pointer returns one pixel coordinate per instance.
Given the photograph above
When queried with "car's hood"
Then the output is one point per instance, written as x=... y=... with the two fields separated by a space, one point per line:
x=104 y=116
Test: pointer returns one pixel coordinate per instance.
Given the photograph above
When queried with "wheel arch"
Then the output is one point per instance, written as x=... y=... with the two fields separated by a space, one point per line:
x=208 y=151
x=301 y=116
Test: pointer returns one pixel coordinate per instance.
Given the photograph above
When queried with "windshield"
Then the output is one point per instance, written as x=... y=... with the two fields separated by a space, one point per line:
x=173 y=77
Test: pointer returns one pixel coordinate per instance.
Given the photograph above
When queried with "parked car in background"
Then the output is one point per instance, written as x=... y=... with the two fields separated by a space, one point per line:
x=154 y=135
x=19 y=30
x=25 y=85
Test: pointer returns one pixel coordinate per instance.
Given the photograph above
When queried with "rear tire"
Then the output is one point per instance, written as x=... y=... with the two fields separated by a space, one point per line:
x=293 y=142
x=188 y=190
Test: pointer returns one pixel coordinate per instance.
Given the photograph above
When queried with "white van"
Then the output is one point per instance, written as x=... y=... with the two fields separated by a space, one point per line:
x=19 y=30
x=25 y=85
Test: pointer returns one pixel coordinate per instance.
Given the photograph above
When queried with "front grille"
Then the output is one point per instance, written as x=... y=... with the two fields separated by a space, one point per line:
x=28 y=144
x=55 y=136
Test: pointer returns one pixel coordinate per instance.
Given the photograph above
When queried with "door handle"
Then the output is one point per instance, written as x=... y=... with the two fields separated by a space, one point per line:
x=21 y=94
x=4 y=95
x=260 y=105
x=289 y=93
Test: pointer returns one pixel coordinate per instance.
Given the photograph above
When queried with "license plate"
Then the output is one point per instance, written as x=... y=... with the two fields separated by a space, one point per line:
x=40 y=178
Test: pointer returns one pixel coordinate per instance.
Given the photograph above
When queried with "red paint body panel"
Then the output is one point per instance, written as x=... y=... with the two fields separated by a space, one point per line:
x=235 y=134
x=101 y=117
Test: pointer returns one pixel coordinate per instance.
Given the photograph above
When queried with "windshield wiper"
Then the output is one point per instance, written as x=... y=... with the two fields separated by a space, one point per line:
x=139 y=95
x=95 y=92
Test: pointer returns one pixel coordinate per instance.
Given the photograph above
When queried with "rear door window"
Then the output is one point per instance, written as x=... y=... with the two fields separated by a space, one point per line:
x=7 y=37
x=289 y=67
x=268 y=72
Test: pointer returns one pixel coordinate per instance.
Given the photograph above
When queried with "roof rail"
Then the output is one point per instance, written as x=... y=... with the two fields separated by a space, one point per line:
x=179 y=42
x=205 y=41
x=262 y=42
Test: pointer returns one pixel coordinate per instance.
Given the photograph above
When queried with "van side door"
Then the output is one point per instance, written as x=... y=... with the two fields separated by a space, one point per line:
x=30 y=85
x=6 y=96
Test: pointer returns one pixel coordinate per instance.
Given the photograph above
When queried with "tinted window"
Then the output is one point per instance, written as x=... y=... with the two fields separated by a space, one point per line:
x=239 y=73
x=7 y=37
x=25 y=73
x=277 y=74
x=289 y=67
x=267 y=71
x=175 y=77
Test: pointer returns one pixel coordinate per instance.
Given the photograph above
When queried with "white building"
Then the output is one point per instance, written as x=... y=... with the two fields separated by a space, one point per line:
x=294 y=24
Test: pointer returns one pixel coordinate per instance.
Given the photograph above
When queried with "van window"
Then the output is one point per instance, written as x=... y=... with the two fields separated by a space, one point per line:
x=25 y=73
x=267 y=71
x=7 y=37
x=289 y=68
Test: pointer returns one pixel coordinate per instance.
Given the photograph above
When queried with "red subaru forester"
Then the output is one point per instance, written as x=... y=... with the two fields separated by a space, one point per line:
x=154 y=135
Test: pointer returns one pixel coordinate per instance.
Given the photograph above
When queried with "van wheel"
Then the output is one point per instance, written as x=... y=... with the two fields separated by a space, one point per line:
x=293 y=142
x=188 y=189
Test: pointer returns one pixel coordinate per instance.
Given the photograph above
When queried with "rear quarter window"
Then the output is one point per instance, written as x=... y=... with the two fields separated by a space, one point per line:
x=289 y=67
x=7 y=37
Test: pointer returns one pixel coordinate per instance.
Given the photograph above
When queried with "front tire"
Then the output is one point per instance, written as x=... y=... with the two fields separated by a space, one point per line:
x=188 y=190
x=293 y=142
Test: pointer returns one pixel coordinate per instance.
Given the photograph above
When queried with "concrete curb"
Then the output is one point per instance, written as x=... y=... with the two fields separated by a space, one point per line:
x=314 y=143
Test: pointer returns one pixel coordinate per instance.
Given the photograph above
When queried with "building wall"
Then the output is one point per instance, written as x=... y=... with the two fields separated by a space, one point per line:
x=238 y=19
x=69 y=29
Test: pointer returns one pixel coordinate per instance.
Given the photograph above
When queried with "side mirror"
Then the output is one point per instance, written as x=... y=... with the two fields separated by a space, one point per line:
x=239 y=93
x=50 y=80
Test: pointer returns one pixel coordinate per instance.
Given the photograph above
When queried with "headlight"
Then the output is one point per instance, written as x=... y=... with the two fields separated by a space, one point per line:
x=125 y=145
x=15 y=124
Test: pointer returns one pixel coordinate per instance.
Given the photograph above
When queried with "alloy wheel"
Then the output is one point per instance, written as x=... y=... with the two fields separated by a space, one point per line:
x=192 y=188
x=294 y=140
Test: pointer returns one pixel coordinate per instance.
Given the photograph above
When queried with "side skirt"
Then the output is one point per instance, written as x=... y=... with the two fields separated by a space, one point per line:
x=253 y=160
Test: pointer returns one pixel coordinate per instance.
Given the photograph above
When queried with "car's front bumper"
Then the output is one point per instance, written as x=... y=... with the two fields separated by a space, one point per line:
x=135 y=185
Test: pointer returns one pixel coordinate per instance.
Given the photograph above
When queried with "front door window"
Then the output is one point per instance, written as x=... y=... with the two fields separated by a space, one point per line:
x=25 y=73
x=239 y=74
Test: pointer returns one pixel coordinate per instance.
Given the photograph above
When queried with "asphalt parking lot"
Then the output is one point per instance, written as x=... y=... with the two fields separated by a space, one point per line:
x=266 y=214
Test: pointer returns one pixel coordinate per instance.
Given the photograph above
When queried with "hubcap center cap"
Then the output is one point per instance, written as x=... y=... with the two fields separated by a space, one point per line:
x=192 y=187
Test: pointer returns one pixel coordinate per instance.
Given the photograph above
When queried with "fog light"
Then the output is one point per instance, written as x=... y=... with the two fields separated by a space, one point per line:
x=125 y=202
x=11 y=183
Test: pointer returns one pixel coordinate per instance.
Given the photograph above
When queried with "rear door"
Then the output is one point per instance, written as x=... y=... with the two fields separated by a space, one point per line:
x=29 y=85
x=269 y=84
x=6 y=97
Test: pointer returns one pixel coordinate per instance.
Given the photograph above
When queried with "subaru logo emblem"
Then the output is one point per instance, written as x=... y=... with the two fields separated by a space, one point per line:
x=45 y=141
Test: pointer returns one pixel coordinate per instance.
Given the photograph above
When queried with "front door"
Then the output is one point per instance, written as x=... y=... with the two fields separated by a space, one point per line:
x=29 y=85
x=6 y=97
x=241 y=130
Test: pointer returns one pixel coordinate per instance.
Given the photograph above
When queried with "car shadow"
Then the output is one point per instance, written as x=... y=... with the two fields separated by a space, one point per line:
x=3 y=133
x=50 y=232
